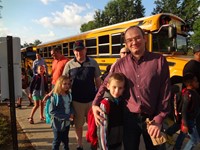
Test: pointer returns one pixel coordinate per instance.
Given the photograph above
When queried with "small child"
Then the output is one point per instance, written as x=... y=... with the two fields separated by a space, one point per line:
x=38 y=88
x=190 y=109
x=25 y=88
x=61 y=112
x=111 y=132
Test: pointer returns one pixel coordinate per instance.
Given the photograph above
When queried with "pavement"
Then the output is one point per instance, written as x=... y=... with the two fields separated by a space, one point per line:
x=41 y=136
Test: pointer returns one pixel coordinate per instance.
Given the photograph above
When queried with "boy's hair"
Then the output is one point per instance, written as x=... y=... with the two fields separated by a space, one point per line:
x=188 y=78
x=60 y=80
x=118 y=77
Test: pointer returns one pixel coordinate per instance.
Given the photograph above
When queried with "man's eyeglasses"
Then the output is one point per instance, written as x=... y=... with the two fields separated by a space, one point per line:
x=124 y=53
x=136 y=39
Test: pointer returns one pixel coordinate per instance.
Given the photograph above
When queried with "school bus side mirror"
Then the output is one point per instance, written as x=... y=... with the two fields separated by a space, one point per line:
x=171 y=32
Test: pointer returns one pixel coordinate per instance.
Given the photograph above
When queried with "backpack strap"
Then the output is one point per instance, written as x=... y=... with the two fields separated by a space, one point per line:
x=107 y=104
x=56 y=97
x=70 y=96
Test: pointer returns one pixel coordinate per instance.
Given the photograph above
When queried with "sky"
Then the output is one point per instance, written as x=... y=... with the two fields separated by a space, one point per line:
x=48 y=20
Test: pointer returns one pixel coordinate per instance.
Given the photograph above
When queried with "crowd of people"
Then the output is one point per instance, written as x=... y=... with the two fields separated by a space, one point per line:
x=136 y=88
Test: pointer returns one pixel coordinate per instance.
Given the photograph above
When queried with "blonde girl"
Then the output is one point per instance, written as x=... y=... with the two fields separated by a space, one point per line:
x=61 y=112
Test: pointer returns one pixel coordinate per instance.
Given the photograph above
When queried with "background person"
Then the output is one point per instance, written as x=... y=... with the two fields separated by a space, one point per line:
x=58 y=65
x=39 y=61
x=38 y=88
x=149 y=91
x=190 y=109
x=85 y=74
x=193 y=66
x=124 y=52
x=26 y=79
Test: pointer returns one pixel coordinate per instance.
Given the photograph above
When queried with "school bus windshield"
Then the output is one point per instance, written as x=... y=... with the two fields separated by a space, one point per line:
x=161 y=42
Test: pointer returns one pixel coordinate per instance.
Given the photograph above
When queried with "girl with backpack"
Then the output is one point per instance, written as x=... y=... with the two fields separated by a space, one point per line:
x=61 y=112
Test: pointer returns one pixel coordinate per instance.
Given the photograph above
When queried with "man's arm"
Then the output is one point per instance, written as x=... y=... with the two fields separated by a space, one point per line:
x=98 y=82
x=163 y=103
x=95 y=105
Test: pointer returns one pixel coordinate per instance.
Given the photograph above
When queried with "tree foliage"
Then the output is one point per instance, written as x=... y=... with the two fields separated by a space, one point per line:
x=188 y=10
x=115 y=11
x=185 y=9
x=35 y=43
x=195 y=39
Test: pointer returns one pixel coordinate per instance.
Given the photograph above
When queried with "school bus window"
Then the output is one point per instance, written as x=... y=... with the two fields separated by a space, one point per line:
x=116 y=43
x=116 y=38
x=49 y=52
x=42 y=51
x=59 y=46
x=104 y=39
x=91 y=46
x=65 y=49
x=116 y=49
x=104 y=44
x=103 y=49
x=45 y=52
x=71 y=48
x=90 y=42
x=91 y=50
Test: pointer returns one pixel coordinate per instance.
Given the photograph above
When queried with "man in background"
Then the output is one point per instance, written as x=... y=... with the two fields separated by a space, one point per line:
x=85 y=74
x=37 y=62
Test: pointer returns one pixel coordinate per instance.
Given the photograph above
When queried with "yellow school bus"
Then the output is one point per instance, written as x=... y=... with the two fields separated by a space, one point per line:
x=28 y=56
x=165 y=33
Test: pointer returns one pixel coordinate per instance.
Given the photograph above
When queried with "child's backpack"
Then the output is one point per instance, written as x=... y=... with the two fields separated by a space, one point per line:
x=48 y=102
x=91 y=134
x=47 y=113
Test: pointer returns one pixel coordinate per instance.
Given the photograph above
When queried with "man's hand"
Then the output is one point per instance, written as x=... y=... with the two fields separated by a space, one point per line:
x=154 y=129
x=96 y=111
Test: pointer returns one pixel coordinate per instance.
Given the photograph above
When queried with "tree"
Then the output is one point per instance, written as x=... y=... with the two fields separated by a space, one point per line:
x=116 y=11
x=87 y=26
x=189 y=11
x=167 y=6
x=195 y=39
x=185 y=9
x=35 y=43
